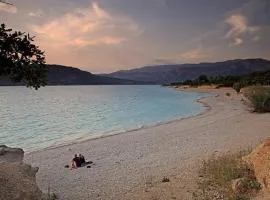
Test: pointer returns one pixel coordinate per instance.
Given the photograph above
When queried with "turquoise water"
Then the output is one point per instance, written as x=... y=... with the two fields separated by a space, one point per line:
x=62 y=114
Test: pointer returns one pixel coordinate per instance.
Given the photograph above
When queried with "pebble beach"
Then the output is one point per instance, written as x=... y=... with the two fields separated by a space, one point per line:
x=131 y=166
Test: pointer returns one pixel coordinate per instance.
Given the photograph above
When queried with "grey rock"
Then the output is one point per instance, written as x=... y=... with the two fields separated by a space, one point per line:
x=11 y=155
x=17 y=180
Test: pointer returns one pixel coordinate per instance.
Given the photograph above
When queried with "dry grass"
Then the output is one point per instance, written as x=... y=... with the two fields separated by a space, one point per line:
x=217 y=174
x=148 y=181
x=50 y=197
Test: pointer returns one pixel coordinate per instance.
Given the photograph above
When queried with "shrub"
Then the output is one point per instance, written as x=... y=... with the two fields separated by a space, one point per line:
x=260 y=100
x=237 y=87
x=252 y=183
x=217 y=174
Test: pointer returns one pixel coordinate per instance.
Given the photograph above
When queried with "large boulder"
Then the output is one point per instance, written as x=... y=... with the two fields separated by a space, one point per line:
x=17 y=180
x=260 y=160
x=11 y=155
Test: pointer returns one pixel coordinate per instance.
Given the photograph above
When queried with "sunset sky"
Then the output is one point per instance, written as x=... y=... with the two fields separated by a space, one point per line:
x=108 y=35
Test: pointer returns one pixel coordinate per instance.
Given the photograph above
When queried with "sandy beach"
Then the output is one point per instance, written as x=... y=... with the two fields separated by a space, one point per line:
x=131 y=166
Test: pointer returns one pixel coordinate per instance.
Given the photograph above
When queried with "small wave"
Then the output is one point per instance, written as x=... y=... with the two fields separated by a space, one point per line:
x=133 y=108
x=77 y=140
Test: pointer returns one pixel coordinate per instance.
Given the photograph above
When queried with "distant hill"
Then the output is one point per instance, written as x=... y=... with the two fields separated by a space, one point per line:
x=160 y=74
x=165 y=74
x=62 y=75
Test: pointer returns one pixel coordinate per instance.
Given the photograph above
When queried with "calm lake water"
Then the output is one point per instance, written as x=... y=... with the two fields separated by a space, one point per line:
x=63 y=114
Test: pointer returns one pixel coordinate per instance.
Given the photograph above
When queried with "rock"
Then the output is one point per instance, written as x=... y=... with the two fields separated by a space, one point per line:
x=260 y=160
x=11 y=155
x=17 y=180
x=165 y=180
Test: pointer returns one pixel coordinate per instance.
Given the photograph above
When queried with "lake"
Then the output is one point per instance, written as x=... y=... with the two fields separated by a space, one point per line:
x=57 y=115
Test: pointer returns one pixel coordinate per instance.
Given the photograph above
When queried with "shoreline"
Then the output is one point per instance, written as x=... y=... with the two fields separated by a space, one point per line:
x=131 y=166
x=199 y=100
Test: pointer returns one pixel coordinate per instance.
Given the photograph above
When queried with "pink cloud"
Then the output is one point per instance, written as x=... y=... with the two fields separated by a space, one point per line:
x=8 y=8
x=86 y=27
x=238 y=28
x=195 y=54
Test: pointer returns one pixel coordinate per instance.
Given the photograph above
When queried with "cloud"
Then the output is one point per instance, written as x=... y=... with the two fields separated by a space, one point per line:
x=8 y=8
x=205 y=36
x=100 y=12
x=103 y=40
x=38 y=13
x=239 y=27
x=256 y=11
x=195 y=55
x=86 y=27
x=256 y=38
x=237 y=41
x=164 y=61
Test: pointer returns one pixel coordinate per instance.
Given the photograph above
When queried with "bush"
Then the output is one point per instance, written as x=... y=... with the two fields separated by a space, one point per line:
x=237 y=87
x=260 y=100
x=217 y=174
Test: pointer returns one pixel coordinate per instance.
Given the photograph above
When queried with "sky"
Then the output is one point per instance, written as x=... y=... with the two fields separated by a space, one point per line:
x=103 y=36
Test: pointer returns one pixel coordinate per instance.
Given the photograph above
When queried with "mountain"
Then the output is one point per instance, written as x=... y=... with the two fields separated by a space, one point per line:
x=62 y=75
x=160 y=74
x=165 y=74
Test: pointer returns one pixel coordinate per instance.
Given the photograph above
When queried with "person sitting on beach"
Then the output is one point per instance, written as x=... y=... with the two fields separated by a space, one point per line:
x=76 y=162
x=79 y=161
x=82 y=159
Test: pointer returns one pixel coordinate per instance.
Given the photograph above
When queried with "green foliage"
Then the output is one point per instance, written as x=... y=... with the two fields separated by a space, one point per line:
x=260 y=99
x=237 y=82
x=203 y=79
x=240 y=197
x=237 y=87
x=20 y=59
x=252 y=183
x=225 y=168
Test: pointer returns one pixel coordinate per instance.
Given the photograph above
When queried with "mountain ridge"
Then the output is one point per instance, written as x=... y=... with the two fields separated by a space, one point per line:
x=63 y=75
x=156 y=74
x=165 y=74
